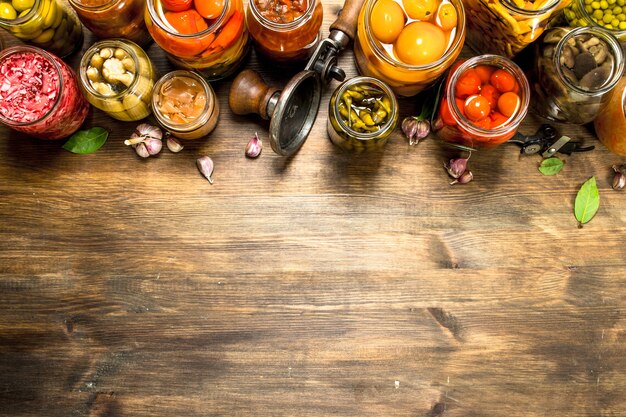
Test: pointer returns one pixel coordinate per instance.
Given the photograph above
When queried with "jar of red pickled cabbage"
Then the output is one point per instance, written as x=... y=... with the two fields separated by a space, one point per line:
x=185 y=105
x=48 y=24
x=114 y=19
x=285 y=31
x=406 y=44
x=208 y=36
x=39 y=94
x=482 y=104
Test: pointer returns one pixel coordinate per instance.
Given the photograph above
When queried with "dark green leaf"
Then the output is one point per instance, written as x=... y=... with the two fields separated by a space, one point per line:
x=86 y=141
x=551 y=166
x=587 y=201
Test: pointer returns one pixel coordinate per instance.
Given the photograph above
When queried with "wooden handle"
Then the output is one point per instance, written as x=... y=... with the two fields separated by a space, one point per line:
x=250 y=94
x=348 y=17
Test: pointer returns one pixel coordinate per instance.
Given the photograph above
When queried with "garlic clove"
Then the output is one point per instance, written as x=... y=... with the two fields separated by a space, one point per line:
x=173 y=144
x=205 y=166
x=466 y=177
x=409 y=127
x=142 y=150
x=423 y=130
x=254 y=147
x=456 y=167
x=153 y=146
x=619 y=179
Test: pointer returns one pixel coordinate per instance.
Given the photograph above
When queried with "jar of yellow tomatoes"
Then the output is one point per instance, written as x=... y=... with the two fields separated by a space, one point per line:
x=185 y=105
x=610 y=15
x=408 y=44
x=114 y=19
x=208 y=36
x=610 y=124
x=505 y=27
x=117 y=77
x=48 y=24
x=285 y=31
x=482 y=104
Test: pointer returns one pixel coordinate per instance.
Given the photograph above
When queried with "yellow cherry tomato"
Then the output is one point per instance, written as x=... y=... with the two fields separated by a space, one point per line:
x=420 y=9
x=420 y=43
x=387 y=20
x=209 y=9
x=446 y=17
x=21 y=5
x=7 y=11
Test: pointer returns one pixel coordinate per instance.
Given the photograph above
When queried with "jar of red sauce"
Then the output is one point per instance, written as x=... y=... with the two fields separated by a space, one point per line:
x=610 y=124
x=39 y=94
x=114 y=19
x=185 y=104
x=408 y=46
x=209 y=36
x=483 y=102
x=285 y=30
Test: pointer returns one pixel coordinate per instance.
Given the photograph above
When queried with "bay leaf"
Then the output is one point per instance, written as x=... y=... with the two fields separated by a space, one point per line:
x=86 y=141
x=551 y=166
x=587 y=201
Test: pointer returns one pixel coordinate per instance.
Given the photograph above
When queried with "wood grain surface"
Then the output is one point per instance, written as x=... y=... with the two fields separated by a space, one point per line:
x=324 y=284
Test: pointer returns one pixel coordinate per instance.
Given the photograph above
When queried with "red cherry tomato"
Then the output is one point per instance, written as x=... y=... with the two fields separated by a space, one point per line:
x=460 y=104
x=508 y=103
x=491 y=94
x=483 y=123
x=446 y=114
x=209 y=9
x=477 y=108
x=497 y=119
x=177 y=5
x=484 y=72
x=502 y=80
x=187 y=22
x=467 y=85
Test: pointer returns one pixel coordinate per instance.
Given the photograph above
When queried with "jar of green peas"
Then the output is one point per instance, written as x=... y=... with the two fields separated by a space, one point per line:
x=609 y=14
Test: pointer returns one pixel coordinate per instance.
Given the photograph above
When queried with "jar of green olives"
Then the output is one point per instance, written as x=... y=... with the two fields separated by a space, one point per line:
x=362 y=113
x=49 y=24
x=117 y=77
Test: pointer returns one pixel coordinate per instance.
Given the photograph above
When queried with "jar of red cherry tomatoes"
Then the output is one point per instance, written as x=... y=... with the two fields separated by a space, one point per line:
x=408 y=44
x=114 y=19
x=483 y=103
x=39 y=94
x=208 y=36
x=285 y=31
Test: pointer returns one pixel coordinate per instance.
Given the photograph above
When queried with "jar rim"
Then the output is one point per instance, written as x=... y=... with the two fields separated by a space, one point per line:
x=107 y=4
x=550 y=6
x=610 y=39
x=124 y=44
x=282 y=26
x=156 y=18
x=497 y=61
x=386 y=90
x=207 y=111
x=48 y=57
x=454 y=46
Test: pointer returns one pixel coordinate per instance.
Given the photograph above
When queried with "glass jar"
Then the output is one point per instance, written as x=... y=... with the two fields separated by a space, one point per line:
x=114 y=19
x=117 y=77
x=212 y=39
x=505 y=27
x=482 y=104
x=362 y=113
x=579 y=13
x=48 y=24
x=39 y=95
x=185 y=105
x=610 y=124
x=566 y=86
x=288 y=36
x=409 y=57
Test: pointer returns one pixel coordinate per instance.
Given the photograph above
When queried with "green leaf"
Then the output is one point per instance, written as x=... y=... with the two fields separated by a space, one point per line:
x=551 y=166
x=86 y=141
x=587 y=201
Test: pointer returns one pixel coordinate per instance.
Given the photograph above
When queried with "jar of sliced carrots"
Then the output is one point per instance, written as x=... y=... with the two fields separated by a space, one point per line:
x=482 y=103
x=208 y=36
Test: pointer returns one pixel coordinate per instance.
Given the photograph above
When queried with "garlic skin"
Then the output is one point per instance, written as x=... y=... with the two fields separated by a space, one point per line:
x=153 y=146
x=456 y=167
x=466 y=177
x=141 y=150
x=205 y=166
x=149 y=131
x=254 y=147
x=619 y=179
x=173 y=144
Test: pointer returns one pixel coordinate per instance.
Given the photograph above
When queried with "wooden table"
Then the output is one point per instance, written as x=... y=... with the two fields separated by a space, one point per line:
x=324 y=284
